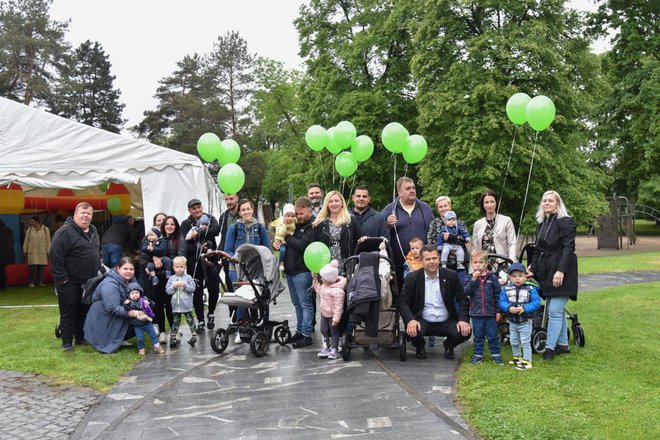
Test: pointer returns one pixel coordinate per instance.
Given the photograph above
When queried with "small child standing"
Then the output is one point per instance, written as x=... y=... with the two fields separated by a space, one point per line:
x=181 y=286
x=484 y=293
x=451 y=227
x=154 y=246
x=285 y=225
x=136 y=302
x=331 y=294
x=519 y=299
x=414 y=256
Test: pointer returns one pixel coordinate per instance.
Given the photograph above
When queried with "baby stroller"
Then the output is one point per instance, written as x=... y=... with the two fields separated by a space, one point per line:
x=258 y=285
x=540 y=317
x=365 y=271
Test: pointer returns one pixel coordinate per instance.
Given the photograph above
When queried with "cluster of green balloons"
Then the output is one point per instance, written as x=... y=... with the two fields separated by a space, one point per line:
x=538 y=112
x=231 y=177
x=336 y=139
x=316 y=255
x=396 y=139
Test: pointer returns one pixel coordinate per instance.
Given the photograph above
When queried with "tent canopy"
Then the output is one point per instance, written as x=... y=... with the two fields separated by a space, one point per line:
x=40 y=150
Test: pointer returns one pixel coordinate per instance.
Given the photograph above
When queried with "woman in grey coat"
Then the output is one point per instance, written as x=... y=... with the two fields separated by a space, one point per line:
x=108 y=323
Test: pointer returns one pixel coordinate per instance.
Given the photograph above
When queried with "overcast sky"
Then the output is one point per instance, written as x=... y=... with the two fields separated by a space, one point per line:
x=145 y=38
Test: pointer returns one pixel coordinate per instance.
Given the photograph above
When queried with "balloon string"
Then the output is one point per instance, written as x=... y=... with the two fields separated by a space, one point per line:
x=394 y=185
x=325 y=181
x=405 y=170
x=353 y=183
x=506 y=173
x=529 y=178
x=333 y=171
x=343 y=181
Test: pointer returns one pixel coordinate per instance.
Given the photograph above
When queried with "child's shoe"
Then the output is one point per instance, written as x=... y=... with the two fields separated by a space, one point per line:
x=141 y=352
x=524 y=365
x=237 y=339
x=193 y=340
x=154 y=281
x=162 y=339
x=173 y=340
x=515 y=361
x=168 y=274
x=158 y=349
x=432 y=342
x=210 y=321
x=497 y=359
x=324 y=353
x=476 y=360
x=200 y=327
x=332 y=354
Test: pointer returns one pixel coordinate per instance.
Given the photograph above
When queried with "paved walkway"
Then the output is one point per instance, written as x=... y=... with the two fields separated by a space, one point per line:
x=194 y=393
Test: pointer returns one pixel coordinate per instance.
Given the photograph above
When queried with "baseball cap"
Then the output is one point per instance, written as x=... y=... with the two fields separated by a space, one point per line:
x=194 y=202
x=517 y=266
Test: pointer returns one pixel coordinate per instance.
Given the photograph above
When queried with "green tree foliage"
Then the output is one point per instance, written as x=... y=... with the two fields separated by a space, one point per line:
x=87 y=94
x=630 y=116
x=470 y=58
x=33 y=51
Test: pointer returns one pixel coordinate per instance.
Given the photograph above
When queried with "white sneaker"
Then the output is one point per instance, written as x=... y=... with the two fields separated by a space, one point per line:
x=162 y=339
x=156 y=329
x=238 y=339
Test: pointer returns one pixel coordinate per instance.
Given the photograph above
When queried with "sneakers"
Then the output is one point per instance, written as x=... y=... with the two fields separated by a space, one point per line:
x=141 y=352
x=324 y=353
x=237 y=339
x=31 y=285
x=193 y=340
x=562 y=349
x=524 y=365
x=67 y=346
x=210 y=321
x=200 y=327
x=332 y=354
x=159 y=350
x=432 y=342
x=156 y=329
x=476 y=360
x=549 y=354
x=162 y=339
x=515 y=361
x=497 y=359
x=295 y=338
x=303 y=342
x=173 y=340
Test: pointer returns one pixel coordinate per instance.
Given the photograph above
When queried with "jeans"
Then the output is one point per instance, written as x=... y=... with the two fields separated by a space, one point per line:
x=485 y=327
x=147 y=327
x=36 y=274
x=557 y=323
x=112 y=253
x=300 y=286
x=521 y=336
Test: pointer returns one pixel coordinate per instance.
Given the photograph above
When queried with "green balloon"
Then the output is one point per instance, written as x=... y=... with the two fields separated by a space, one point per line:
x=362 y=148
x=103 y=186
x=516 y=108
x=415 y=149
x=231 y=178
x=345 y=164
x=345 y=134
x=208 y=146
x=316 y=137
x=332 y=144
x=394 y=137
x=114 y=205
x=229 y=152
x=316 y=256
x=540 y=112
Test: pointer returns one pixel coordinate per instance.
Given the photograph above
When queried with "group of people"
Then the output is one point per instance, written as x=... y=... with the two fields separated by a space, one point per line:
x=175 y=268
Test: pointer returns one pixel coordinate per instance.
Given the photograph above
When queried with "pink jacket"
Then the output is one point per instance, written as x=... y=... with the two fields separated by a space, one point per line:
x=332 y=299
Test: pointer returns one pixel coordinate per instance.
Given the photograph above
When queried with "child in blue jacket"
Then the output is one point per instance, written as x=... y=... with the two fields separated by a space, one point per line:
x=452 y=227
x=519 y=299
x=484 y=293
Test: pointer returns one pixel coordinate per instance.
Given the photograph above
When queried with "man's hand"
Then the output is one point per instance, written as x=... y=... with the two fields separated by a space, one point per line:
x=391 y=220
x=412 y=328
x=463 y=327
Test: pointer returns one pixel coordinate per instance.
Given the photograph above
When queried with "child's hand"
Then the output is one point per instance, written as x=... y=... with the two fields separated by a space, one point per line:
x=521 y=310
x=128 y=301
x=334 y=323
x=475 y=274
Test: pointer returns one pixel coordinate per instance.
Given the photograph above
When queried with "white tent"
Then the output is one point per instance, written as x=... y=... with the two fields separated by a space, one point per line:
x=40 y=150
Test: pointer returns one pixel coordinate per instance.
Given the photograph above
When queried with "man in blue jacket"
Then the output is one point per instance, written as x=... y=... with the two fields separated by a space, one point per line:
x=372 y=223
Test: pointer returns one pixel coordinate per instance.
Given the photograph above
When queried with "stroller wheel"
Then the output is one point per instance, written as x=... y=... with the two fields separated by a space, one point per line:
x=578 y=335
x=282 y=335
x=259 y=344
x=539 y=337
x=402 y=346
x=346 y=347
x=503 y=332
x=58 y=333
x=220 y=340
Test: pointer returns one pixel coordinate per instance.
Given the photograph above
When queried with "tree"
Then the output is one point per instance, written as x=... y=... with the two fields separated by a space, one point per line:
x=470 y=58
x=87 y=94
x=630 y=116
x=32 y=50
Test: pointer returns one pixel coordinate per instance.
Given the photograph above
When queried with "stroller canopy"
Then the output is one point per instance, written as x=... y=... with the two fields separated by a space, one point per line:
x=260 y=264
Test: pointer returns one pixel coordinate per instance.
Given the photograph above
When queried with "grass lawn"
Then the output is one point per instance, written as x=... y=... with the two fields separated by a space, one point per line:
x=619 y=263
x=646 y=227
x=29 y=344
x=607 y=390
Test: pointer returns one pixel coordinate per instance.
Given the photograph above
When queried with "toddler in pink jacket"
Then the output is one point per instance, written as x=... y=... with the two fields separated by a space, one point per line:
x=331 y=294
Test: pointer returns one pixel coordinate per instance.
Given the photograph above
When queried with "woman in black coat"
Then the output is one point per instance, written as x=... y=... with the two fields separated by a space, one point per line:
x=554 y=265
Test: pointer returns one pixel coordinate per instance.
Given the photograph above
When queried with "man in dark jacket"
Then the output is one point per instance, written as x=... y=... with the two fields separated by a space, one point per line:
x=115 y=239
x=228 y=218
x=428 y=305
x=74 y=258
x=372 y=223
x=198 y=234
x=299 y=278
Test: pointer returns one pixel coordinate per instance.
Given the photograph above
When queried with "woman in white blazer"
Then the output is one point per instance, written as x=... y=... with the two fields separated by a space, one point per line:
x=494 y=233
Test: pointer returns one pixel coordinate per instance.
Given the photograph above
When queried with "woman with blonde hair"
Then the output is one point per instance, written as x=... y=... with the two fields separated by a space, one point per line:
x=337 y=228
x=554 y=266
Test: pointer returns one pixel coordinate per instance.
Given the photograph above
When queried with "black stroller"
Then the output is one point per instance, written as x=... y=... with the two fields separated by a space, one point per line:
x=258 y=285
x=540 y=317
x=387 y=333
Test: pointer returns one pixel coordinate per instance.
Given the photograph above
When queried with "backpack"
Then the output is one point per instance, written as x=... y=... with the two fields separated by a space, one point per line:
x=90 y=286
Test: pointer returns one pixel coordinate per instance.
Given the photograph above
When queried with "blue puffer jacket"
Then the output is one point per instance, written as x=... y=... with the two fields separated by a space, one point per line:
x=526 y=296
x=484 y=293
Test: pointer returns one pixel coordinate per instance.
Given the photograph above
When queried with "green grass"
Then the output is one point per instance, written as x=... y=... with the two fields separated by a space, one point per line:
x=607 y=390
x=619 y=263
x=646 y=227
x=29 y=344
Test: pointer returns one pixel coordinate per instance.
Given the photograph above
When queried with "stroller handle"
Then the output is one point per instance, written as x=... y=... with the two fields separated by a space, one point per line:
x=500 y=257
x=224 y=255
x=355 y=257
